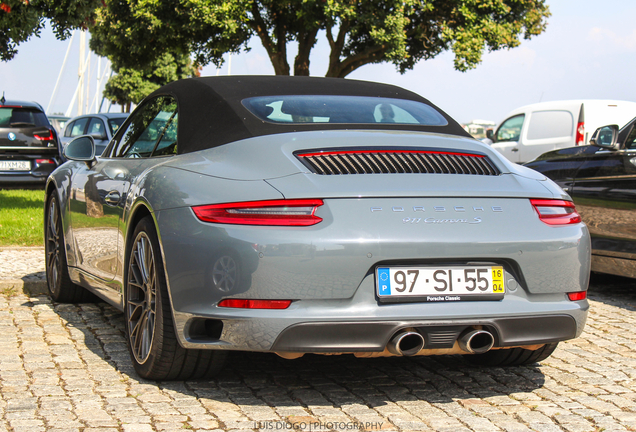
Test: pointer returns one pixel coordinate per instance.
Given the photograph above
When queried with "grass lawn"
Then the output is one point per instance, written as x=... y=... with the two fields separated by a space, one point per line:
x=21 y=217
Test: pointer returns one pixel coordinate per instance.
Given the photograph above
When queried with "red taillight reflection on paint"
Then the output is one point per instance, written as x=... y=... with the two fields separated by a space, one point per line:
x=295 y=212
x=580 y=133
x=556 y=212
x=255 y=304
x=44 y=161
x=576 y=296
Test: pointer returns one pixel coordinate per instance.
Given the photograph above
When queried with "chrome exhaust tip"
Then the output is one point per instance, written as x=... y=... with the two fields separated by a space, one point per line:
x=406 y=343
x=476 y=341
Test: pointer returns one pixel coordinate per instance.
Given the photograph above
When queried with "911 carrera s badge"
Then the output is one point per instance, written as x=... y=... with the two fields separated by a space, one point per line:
x=11 y=136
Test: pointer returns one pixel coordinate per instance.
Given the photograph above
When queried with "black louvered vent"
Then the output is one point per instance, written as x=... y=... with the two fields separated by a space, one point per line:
x=394 y=161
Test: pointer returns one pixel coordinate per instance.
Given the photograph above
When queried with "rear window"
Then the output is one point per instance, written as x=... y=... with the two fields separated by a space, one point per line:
x=342 y=109
x=550 y=124
x=22 y=117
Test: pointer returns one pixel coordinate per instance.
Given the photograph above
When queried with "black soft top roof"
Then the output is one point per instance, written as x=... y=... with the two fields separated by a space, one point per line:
x=211 y=113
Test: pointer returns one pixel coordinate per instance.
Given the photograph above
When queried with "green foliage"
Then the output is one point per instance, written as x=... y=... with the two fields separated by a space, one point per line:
x=131 y=85
x=133 y=32
x=137 y=32
x=21 y=19
x=21 y=217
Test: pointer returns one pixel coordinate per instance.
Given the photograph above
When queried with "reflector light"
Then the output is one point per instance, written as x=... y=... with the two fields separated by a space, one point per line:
x=48 y=137
x=580 y=133
x=556 y=212
x=576 y=296
x=255 y=304
x=44 y=161
x=297 y=212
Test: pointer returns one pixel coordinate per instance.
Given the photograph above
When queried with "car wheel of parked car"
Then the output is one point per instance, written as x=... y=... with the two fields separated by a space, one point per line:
x=512 y=356
x=155 y=351
x=61 y=288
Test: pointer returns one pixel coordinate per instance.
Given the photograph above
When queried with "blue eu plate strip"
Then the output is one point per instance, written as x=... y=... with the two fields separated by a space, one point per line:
x=384 y=281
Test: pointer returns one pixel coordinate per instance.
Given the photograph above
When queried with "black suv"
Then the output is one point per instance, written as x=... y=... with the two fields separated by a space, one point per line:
x=28 y=144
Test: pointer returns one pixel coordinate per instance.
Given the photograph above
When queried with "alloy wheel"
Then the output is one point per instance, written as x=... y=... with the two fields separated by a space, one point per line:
x=53 y=260
x=141 y=291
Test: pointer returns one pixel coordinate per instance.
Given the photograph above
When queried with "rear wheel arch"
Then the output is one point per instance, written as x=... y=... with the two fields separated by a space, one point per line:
x=153 y=343
x=140 y=211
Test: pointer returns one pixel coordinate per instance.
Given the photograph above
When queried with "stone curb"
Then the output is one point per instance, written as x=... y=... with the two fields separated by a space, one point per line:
x=28 y=287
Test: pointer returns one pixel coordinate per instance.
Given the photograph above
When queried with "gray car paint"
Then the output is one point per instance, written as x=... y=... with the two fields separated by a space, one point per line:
x=329 y=265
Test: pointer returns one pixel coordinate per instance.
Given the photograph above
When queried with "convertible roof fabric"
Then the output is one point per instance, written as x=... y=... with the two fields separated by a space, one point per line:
x=211 y=113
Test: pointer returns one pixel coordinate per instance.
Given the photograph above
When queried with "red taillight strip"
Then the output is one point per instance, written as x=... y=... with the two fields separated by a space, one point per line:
x=294 y=212
x=556 y=212
x=344 y=152
x=255 y=304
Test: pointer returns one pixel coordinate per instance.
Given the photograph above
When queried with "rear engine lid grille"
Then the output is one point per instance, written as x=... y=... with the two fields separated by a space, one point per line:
x=396 y=161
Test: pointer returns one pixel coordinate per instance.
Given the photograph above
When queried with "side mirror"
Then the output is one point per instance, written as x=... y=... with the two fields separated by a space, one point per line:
x=81 y=149
x=605 y=137
x=490 y=134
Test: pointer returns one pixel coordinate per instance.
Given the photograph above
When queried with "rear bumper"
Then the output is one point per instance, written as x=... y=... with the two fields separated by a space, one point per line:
x=361 y=324
x=36 y=176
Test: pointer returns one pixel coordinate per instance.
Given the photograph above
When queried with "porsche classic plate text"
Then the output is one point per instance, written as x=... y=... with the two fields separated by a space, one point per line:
x=15 y=165
x=441 y=283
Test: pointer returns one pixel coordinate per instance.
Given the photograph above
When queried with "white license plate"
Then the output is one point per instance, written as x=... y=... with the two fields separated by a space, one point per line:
x=439 y=284
x=15 y=166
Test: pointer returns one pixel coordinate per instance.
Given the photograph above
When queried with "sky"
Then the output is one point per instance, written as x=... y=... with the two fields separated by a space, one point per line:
x=587 y=52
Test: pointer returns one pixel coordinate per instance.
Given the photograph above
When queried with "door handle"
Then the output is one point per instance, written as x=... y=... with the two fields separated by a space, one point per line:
x=514 y=149
x=113 y=198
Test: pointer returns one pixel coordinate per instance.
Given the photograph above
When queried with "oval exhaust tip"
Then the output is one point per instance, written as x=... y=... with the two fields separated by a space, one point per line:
x=476 y=341
x=406 y=343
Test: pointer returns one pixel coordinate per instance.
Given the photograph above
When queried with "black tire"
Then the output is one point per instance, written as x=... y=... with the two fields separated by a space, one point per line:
x=61 y=288
x=154 y=349
x=512 y=356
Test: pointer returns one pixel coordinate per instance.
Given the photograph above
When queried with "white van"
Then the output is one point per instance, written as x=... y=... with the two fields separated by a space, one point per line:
x=535 y=129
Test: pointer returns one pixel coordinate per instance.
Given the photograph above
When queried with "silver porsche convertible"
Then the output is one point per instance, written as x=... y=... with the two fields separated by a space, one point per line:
x=298 y=215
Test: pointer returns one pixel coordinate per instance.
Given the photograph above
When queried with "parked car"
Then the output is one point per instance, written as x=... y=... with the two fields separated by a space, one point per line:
x=301 y=215
x=58 y=122
x=28 y=145
x=102 y=127
x=601 y=178
x=534 y=129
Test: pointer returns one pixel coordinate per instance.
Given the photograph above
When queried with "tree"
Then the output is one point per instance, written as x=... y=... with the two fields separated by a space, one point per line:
x=21 y=19
x=131 y=85
x=358 y=32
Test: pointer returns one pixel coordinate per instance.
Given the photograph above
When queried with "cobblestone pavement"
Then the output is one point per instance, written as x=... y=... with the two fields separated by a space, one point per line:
x=66 y=368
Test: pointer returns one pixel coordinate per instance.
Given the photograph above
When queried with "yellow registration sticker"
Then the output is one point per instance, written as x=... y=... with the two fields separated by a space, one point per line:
x=498 y=280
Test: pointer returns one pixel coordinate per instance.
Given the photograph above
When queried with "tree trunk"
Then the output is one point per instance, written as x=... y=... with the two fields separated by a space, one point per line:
x=306 y=42
x=277 y=51
x=340 y=69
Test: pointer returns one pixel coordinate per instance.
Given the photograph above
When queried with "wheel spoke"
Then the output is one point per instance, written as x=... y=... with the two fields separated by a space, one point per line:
x=136 y=304
x=139 y=333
